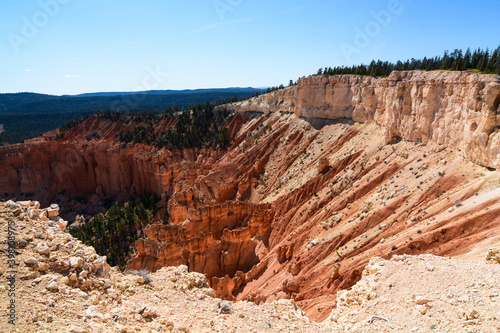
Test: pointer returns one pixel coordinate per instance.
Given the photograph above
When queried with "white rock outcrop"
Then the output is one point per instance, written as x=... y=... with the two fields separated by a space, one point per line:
x=459 y=109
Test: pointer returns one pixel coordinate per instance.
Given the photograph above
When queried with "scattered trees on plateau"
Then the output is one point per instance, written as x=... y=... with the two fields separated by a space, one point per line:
x=200 y=126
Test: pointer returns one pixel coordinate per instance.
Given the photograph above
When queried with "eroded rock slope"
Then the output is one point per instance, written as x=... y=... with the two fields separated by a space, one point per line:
x=312 y=187
x=61 y=285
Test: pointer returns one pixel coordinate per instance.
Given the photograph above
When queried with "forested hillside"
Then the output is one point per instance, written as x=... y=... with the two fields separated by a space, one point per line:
x=28 y=115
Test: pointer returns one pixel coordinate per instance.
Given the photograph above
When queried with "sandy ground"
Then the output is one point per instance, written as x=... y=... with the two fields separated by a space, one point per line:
x=423 y=293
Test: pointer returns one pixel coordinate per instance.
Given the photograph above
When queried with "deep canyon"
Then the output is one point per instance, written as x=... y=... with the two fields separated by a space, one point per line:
x=319 y=177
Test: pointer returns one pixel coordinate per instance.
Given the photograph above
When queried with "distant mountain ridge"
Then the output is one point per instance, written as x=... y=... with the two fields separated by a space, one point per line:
x=170 y=92
x=28 y=115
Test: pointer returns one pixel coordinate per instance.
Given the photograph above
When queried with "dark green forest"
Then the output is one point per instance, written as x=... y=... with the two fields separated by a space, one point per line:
x=199 y=126
x=27 y=115
x=113 y=233
x=196 y=127
x=483 y=61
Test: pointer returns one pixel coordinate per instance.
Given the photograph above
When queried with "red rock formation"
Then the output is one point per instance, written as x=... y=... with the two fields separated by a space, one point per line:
x=291 y=210
x=45 y=167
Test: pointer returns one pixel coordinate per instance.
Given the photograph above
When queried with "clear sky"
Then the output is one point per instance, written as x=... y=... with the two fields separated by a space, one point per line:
x=77 y=46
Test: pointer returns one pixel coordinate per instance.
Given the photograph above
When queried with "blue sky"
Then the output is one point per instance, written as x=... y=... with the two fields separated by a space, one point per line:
x=75 y=46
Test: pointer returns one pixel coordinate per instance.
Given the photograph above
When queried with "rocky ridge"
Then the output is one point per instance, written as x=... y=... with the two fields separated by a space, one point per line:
x=420 y=294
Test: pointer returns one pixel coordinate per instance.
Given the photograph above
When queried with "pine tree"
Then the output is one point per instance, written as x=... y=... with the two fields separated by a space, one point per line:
x=494 y=58
x=476 y=59
x=446 y=64
x=399 y=66
x=457 y=59
x=467 y=59
x=372 y=70
x=483 y=64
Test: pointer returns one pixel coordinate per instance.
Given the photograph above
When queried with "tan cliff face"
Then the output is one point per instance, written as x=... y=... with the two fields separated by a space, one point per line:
x=458 y=109
x=294 y=208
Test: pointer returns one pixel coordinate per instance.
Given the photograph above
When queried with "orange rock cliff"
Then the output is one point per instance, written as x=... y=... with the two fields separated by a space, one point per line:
x=320 y=177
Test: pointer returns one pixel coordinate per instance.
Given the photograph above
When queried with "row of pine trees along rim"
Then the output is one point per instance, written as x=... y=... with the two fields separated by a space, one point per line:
x=483 y=61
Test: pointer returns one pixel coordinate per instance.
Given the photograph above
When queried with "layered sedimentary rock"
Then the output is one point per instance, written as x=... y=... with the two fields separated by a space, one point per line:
x=327 y=200
x=303 y=198
x=59 y=284
x=459 y=109
x=215 y=239
x=45 y=167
